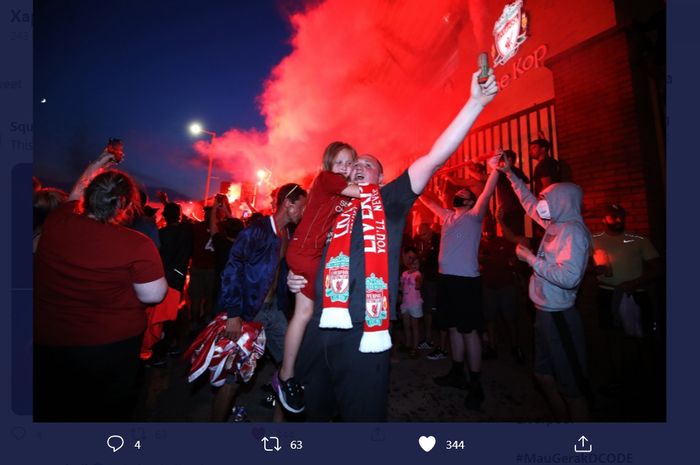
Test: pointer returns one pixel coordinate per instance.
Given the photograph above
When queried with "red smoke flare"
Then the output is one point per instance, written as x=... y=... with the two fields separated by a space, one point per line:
x=384 y=76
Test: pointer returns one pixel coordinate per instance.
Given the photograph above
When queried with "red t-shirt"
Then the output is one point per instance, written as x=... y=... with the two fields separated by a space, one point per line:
x=323 y=205
x=84 y=272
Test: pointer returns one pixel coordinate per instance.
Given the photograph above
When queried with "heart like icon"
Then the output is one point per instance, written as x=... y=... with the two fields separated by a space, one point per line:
x=426 y=443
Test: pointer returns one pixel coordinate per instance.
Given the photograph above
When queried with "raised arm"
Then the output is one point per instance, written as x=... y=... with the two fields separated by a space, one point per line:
x=163 y=197
x=482 y=203
x=424 y=167
x=221 y=209
x=105 y=160
x=473 y=173
x=527 y=199
x=434 y=206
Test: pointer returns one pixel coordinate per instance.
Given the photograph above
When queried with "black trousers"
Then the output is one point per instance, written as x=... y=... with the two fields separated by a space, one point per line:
x=340 y=382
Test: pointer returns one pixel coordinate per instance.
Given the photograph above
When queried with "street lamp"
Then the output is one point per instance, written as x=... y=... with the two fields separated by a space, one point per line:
x=196 y=129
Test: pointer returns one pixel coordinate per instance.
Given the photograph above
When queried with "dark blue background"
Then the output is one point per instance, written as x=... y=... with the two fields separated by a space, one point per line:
x=142 y=71
x=672 y=442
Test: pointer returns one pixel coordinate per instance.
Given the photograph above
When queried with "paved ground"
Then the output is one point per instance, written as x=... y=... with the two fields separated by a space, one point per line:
x=511 y=395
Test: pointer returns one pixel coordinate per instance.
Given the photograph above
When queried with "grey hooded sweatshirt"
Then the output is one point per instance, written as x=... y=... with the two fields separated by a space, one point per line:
x=563 y=254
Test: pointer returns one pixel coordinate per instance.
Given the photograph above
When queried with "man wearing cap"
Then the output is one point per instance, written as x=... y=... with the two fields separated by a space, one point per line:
x=625 y=264
x=460 y=306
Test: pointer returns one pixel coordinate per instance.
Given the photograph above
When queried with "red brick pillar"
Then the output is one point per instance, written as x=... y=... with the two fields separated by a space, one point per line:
x=607 y=132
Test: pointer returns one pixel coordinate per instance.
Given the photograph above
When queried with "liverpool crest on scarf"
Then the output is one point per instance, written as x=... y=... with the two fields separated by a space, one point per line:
x=336 y=272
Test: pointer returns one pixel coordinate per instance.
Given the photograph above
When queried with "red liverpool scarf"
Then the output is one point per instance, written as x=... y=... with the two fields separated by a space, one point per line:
x=336 y=272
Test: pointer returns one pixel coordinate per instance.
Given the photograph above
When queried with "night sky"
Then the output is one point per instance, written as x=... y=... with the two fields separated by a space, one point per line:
x=277 y=81
x=142 y=71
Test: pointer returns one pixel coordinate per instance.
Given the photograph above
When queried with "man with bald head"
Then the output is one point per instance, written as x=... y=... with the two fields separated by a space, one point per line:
x=343 y=363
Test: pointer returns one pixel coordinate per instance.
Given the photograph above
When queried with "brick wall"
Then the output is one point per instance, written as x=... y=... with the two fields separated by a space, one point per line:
x=601 y=131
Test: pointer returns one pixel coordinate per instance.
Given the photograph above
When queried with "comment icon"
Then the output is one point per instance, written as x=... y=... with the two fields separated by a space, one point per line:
x=115 y=442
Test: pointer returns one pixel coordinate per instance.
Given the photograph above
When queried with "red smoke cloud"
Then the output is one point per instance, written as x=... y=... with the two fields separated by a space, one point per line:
x=385 y=76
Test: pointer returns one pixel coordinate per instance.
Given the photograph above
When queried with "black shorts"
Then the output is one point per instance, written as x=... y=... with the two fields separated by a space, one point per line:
x=428 y=292
x=460 y=303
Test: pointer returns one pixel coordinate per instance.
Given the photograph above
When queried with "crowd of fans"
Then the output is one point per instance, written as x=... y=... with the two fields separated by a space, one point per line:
x=122 y=284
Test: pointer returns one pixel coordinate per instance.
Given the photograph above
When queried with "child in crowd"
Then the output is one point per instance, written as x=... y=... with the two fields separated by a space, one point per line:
x=328 y=196
x=412 y=303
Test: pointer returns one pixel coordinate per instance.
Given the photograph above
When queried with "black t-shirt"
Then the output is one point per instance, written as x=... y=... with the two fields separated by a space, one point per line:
x=398 y=198
x=222 y=248
x=175 y=251
x=507 y=199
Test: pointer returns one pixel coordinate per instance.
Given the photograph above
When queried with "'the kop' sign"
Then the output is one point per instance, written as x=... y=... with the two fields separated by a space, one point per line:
x=522 y=65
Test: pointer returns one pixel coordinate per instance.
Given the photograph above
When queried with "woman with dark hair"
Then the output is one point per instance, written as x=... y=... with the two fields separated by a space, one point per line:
x=93 y=278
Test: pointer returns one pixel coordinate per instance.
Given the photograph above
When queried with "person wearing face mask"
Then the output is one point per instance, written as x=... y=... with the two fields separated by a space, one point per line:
x=625 y=264
x=558 y=269
x=460 y=306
